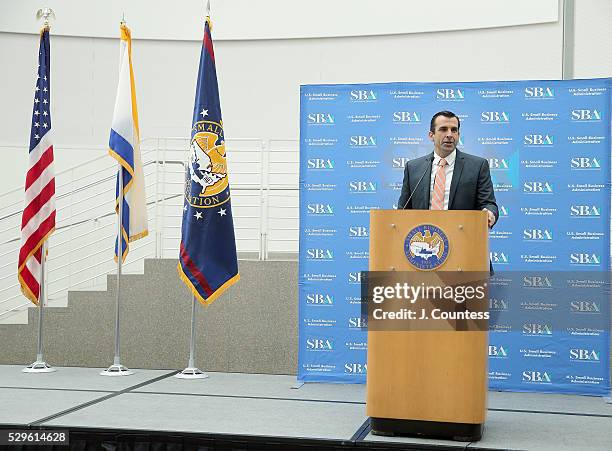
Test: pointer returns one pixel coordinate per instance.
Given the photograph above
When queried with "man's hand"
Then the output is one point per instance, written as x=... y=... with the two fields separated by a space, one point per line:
x=491 y=217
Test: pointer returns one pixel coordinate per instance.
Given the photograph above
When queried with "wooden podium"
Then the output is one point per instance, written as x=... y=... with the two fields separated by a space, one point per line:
x=428 y=382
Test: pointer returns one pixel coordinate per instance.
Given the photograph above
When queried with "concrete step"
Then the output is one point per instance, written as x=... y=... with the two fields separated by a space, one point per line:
x=251 y=328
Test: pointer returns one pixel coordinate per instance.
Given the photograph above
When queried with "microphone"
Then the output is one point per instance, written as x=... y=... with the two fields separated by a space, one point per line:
x=418 y=183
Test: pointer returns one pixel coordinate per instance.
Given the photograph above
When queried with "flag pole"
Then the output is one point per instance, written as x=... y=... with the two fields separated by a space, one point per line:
x=117 y=369
x=40 y=366
x=192 y=372
x=124 y=148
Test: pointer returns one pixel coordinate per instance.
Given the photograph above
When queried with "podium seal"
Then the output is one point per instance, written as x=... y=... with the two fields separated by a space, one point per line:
x=426 y=247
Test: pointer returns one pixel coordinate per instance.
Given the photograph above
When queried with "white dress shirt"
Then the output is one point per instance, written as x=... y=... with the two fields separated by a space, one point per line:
x=448 y=170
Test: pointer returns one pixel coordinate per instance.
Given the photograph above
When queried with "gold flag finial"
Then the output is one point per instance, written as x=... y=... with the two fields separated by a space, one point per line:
x=45 y=13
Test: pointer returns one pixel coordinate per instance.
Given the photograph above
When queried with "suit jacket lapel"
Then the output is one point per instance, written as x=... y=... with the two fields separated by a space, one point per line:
x=456 y=176
x=426 y=188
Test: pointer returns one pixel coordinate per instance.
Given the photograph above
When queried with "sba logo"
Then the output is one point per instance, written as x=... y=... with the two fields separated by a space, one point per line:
x=537 y=329
x=591 y=211
x=320 y=164
x=319 y=344
x=358 y=232
x=499 y=257
x=584 y=259
x=321 y=118
x=361 y=95
x=586 y=115
x=590 y=307
x=450 y=94
x=357 y=323
x=536 y=376
x=363 y=141
x=354 y=277
x=536 y=282
x=537 y=235
x=497 y=351
x=584 y=355
x=538 y=92
x=406 y=116
x=360 y=186
x=535 y=139
x=319 y=299
x=537 y=188
x=585 y=163
x=503 y=212
x=498 y=164
x=498 y=305
x=494 y=116
x=320 y=209
x=356 y=368
x=399 y=162
x=319 y=254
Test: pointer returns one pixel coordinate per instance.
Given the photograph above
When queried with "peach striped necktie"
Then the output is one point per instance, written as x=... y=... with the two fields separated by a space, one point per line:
x=437 y=199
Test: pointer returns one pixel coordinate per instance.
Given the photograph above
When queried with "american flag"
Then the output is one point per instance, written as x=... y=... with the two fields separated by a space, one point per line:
x=38 y=220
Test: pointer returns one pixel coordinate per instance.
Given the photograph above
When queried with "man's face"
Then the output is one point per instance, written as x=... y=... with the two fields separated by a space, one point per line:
x=445 y=135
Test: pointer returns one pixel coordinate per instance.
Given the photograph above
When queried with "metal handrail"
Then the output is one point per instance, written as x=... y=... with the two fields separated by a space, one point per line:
x=83 y=221
x=92 y=178
x=18 y=307
x=111 y=213
x=83 y=188
x=11 y=298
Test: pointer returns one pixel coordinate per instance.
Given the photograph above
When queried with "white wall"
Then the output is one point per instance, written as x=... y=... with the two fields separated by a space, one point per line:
x=274 y=19
x=593 y=42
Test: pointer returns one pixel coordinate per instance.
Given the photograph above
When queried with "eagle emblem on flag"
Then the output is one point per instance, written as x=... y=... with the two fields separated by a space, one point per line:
x=207 y=162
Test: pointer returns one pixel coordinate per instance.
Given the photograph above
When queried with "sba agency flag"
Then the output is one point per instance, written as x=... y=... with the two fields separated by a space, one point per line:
x=125 y=148
x=207 y=260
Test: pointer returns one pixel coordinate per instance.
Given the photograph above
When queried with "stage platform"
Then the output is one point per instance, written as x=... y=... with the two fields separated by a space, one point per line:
x=153 y=410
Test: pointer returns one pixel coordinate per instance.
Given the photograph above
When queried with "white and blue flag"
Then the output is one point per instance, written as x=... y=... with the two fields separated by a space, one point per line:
x=124 y=147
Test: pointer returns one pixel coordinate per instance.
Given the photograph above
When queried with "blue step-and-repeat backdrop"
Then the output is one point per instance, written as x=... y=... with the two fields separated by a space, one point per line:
x=548 y=146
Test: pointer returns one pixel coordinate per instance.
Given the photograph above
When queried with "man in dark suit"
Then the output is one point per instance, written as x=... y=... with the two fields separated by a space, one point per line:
x=448 y=179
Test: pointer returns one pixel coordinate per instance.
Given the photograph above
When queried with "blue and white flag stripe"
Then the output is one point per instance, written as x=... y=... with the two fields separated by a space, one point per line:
x=124 y=147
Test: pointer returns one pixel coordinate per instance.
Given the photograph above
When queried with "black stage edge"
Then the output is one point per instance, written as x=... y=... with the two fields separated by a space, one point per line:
x=86 y=439
x=465 y=432
x=83 y=439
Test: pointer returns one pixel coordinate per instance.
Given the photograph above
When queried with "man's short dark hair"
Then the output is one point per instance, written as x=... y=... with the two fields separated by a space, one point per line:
x=448 y=114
